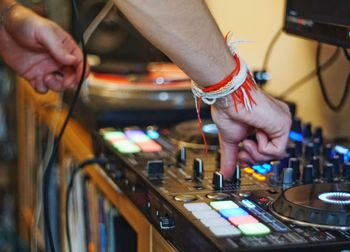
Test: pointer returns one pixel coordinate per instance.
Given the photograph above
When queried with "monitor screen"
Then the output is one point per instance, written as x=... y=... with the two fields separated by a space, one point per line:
x=327 y=21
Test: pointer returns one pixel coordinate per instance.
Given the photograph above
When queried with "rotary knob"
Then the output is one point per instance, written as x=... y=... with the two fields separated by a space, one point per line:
x=198 y=169
x=308 y=174
x=218 y=180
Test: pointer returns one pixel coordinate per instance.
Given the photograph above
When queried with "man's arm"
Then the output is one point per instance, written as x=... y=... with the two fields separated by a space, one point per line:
x=38 y=49
x=186 y=31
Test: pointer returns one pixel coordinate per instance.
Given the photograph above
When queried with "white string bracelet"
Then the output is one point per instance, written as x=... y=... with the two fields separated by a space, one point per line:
x=239 y=86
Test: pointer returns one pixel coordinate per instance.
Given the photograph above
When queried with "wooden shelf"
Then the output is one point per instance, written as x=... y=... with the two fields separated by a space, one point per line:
x=79 y=144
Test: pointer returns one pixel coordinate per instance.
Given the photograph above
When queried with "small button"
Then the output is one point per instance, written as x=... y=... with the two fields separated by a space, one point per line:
x=185 y=198
x=215 y=222
x=197 y=206
x=206 y=214
x=238 y=220
x=225 y=231
x=254 y=229
x=264 y=200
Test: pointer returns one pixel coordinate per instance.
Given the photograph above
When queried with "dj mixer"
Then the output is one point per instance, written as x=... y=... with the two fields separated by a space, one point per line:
x=301 y=202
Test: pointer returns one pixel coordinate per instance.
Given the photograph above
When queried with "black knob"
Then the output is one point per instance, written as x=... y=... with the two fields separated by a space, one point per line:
x=317 y=165
x=294 y=163
x=309 y=152
x=346 y=171
x=317 y=147
x=287 y=177
x=298 y=148
x=307 y=133
x=296 y=125
x=318 y=135
x=218 y=180
x=275 y=173
x=155 y=168
x=198 y=169
x=328 y=172
x=284 y=162
x=336 y=165
x=341 y=158
x=291 y=151
x=237 y=175
x=328 y=152
x=181 y=156
x=308 y=174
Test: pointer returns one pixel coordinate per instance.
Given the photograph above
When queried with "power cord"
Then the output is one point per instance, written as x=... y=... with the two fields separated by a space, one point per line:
x=329 y=62
x=262 y=76
x=50 y=165
x=99 y=161
x=330 y=104
x=269 y=49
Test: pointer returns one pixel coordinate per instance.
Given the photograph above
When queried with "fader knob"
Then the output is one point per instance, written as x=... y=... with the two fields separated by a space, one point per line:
x=294 y=163
x=218 y=180
x=307 y=174
x=298 y=148
x=317 y=147
x=346 y=171
x=307 y=133
x=275 y=173
x=316 y=164
x=328 y=152
x=309 y=152
x=237 y=175
x=198 y=169
x=318 y=135
x=181 y=155
x=287 y=177
x=291 y=151
x=296 y=125
x=328 y=172
x=336 y=165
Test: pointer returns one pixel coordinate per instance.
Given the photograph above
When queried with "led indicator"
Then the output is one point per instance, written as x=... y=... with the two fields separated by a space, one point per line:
x=295 y=136
x=153 y=134
x=248 y=203
x=336 y=198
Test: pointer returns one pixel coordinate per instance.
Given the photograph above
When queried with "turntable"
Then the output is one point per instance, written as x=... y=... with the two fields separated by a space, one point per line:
x=324 y=205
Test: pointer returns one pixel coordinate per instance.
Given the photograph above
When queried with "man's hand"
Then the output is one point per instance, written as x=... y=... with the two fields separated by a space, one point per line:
x=271 y=121
x=39 y=50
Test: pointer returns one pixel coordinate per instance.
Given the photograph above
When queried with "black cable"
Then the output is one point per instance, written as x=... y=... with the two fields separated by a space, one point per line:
x=346 y=53
x=49 y=167
x=310 y=75
x=269 y=49
x=330 y=104
x=69 y=189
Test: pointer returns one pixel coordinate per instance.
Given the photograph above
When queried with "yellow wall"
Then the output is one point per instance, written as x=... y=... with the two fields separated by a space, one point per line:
x=257 y=21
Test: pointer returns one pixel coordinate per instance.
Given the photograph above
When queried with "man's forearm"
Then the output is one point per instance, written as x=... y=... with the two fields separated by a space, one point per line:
x=186 y=31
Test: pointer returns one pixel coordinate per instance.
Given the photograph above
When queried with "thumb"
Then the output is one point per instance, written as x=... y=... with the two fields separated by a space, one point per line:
x=229 y=152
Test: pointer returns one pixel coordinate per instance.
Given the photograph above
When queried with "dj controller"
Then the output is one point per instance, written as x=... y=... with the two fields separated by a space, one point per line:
x=301 y=202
